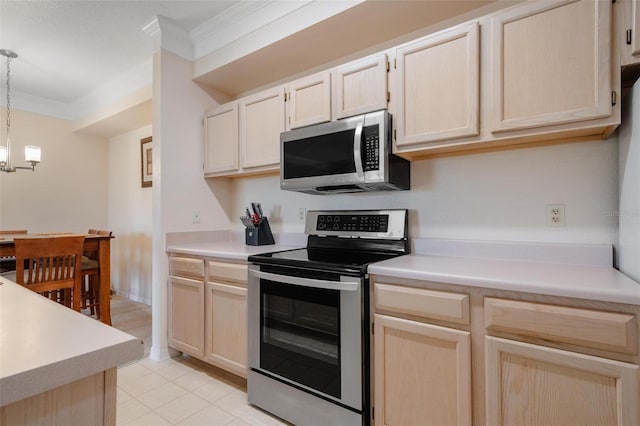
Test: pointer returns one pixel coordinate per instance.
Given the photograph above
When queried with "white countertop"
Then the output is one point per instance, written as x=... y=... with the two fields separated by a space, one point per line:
x=230 y=245
x=581 y=271
x=44 y=345
x=573 y=278
x=225 y=250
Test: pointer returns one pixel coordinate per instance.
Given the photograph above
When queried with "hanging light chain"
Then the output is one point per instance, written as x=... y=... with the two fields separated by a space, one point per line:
x=8 y=94
x=31 y=153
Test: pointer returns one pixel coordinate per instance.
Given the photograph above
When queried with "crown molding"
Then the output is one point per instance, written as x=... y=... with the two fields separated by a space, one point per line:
x=171 y=37
x=238 y=21
x=38 y=105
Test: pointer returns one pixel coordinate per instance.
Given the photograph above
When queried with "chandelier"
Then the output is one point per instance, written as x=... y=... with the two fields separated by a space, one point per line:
x=31 y=153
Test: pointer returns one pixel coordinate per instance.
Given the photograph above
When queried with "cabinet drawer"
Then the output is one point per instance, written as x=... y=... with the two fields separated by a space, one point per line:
x=431 y=304
x=186 y=267
x=236 y=272
x=585 y=327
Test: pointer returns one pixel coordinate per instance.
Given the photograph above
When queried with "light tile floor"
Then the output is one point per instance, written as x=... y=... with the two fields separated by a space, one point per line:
x=180 y=390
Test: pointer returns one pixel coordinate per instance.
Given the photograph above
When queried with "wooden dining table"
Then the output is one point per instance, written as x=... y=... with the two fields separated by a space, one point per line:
x=92 y=242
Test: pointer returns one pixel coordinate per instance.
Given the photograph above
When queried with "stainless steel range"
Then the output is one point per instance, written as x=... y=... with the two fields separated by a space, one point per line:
x=309 y=322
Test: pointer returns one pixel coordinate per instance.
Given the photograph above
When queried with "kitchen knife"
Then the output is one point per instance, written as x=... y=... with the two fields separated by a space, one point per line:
x=259 y=207
x=254 y=207
x=246 y=221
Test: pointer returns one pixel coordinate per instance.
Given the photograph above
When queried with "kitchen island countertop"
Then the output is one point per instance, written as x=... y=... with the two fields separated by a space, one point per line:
x=44 y=345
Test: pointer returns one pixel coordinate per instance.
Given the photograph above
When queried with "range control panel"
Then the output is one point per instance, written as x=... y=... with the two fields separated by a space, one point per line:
x=391 y=224
x=359 y=223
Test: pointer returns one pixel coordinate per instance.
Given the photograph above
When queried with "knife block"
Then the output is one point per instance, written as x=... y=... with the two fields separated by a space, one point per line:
x=260 y=235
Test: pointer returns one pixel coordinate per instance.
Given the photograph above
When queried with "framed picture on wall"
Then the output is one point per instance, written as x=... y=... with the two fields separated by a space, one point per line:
x=146 y=164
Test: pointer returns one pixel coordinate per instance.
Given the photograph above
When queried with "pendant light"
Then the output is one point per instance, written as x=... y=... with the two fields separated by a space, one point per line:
x=31 y=153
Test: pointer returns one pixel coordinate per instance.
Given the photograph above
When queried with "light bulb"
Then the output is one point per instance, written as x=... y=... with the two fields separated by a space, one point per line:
x=32 y=154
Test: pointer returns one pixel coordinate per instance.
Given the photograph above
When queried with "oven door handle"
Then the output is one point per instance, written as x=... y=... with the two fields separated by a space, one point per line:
x=309 y=282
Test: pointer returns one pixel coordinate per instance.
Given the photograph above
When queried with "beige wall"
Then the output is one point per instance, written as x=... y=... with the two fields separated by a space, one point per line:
x=68 y=190
x=130 y=218
x=628 y=248
x=179 y=187
x=491 y=196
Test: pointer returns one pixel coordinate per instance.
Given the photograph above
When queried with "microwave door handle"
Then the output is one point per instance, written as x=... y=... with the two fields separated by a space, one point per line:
x=357 y=156
x=308 y=282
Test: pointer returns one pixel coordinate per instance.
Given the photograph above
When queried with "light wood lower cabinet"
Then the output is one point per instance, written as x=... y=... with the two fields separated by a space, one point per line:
x=450 y=354
x=208 y=315
x=536 y=385
x=226 y=327
x=422 y=374
x=186 y=313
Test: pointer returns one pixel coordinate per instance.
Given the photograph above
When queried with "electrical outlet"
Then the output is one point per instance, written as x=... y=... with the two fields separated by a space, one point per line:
x=302 y=214
x=195 y=216
x=555 y=214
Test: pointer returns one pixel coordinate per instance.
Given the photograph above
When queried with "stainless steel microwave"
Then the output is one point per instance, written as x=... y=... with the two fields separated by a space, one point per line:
x=349 y=155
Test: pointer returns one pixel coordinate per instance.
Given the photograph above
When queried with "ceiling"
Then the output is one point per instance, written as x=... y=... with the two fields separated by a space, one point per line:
x=67 y=48
x=73 y=52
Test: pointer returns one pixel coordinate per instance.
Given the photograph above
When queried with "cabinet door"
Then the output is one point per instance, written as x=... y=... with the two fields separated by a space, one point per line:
x=221 y=140
x=437 y=87
x=310 y=100
x=226 y=327
x=536 y=385
x=261 y=121
x=186 y=315
x=550 y=64
x=422 y=373
x=361 y=86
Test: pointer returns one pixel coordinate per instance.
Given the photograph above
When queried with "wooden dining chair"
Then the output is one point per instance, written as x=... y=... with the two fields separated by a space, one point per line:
x=51 y=266
x=90 y=271
x=8 y=263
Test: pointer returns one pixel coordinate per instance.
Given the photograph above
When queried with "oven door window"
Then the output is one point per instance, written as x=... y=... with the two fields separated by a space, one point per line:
x=300 y=335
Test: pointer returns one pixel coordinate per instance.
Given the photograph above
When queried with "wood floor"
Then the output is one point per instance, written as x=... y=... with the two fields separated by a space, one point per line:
x=133 y=318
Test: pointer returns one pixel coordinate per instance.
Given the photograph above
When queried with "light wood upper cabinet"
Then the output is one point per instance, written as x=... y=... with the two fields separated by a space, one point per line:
x=628 y=31
x=361 y=86
x=262 y=119
x=531 y=384
x=221 y=139
x=422 y=373
x=436 y=87
x=551 y=64
x=309 y=100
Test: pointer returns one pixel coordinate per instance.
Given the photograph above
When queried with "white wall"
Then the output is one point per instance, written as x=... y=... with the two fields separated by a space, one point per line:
x=130 y=218
x=179 y=187
x=68 y=190
x=490 y=196
x=628 y=248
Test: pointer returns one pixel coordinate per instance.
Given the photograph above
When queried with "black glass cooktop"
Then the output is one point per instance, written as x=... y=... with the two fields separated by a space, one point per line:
x=352 y=262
